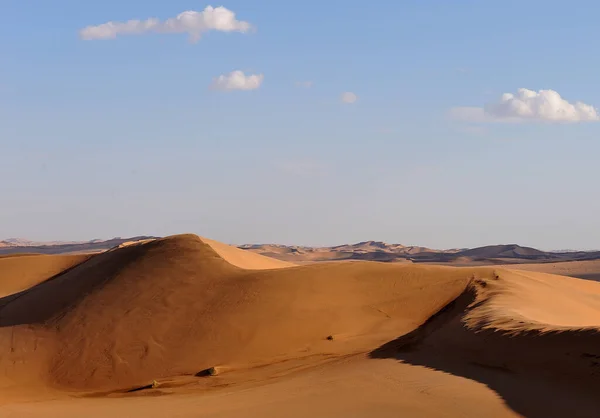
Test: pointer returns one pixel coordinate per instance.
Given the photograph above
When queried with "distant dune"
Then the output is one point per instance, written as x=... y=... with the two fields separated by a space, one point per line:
x=380 y=251
x=365 y=251
x=161 y=316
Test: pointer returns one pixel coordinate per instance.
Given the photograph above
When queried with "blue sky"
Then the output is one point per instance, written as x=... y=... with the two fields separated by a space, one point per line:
x=132 y=135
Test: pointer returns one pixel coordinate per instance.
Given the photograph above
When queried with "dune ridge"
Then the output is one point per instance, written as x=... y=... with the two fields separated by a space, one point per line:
x=245 y=259
x=180 y=305
x=517 y=345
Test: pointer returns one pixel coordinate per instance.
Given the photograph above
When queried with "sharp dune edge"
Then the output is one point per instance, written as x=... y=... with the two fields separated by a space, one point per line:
x=165 y=310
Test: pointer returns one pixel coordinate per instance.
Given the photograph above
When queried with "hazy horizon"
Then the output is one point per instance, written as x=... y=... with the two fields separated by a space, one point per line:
x=54 y=242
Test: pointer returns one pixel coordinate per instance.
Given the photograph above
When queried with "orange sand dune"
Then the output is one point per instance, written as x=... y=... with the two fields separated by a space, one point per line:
x=332 y=339
x=533 y=338
x=245 y=259
x=581 y=269
x=174 y=306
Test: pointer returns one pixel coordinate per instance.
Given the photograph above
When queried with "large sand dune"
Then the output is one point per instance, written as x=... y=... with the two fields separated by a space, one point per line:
x=373 y=337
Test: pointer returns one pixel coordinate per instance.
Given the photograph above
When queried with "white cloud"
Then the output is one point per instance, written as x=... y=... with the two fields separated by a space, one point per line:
x=305 y=84
x=528 y=106
x=191 y=22
x=349 y=97
x=237 y=80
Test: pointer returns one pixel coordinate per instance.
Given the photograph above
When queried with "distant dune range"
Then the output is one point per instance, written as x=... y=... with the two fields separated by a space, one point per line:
x=19 y=246
x=365 y=251
x=160 y=316
x=380 y=251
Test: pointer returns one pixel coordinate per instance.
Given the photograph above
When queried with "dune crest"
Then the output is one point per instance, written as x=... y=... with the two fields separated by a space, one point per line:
x=529 y=301
x=511 y=333
x=245 y=259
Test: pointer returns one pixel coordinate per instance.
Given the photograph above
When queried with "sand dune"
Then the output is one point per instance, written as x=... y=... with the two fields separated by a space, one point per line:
x=381 y=251
x=526 y=301
x=174 y=306
x=245 y=259
x=589 y=270
x=532 y=338
x=169 y=309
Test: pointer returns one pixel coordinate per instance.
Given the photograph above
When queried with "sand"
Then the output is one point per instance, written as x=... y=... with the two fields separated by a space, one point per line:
x=589 y=270
x=333 y=339
x=245 y=259
x=18 y=273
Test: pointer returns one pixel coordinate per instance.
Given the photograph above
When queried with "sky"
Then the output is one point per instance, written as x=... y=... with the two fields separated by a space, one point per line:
x=421 y=122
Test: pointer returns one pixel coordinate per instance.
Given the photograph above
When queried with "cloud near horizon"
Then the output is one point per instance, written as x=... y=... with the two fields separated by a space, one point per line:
x=349 y=97
x=528 y=106
x=237 y=80
x=192 y=22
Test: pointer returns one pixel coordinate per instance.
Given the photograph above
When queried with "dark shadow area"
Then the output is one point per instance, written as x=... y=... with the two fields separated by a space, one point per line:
x=51 y=298
x=593 y=277
x=211 y=371
x=140 y=388
x=537 y=375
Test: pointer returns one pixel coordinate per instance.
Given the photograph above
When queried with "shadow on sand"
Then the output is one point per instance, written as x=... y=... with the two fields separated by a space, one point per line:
x=537 y=375
x=50 y=298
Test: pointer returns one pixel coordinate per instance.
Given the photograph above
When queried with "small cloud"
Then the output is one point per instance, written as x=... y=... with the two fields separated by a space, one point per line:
x=528 y=106
x=304 y=84
x=237 y=80
x=191 y=22
x=462 y=70
x=349 y=97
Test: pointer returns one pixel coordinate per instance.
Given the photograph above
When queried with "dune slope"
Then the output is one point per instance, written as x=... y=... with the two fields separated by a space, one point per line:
x=589 y=269
x=245 y=259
